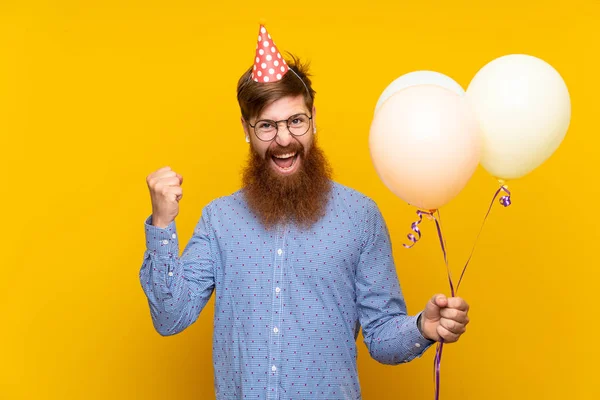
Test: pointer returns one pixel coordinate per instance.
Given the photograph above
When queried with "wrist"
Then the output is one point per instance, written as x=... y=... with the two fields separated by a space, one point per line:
x=159 y=223
x=420 y=327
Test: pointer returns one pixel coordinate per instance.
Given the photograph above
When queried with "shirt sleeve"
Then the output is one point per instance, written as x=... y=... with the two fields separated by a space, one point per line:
x=391 y=335
x=178 y=288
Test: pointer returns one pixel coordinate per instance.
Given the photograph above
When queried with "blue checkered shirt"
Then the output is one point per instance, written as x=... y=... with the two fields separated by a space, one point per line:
x=289 y=303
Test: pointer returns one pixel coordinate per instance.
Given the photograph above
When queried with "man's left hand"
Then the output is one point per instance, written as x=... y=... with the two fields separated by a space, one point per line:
x=444 y=318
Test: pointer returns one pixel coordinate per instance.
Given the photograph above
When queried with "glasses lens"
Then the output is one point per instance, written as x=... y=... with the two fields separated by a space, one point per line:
x=265 y=130
x=298 y=124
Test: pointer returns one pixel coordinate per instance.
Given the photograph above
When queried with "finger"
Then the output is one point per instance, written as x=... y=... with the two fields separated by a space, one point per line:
x=165 y=174
x=176 y=192
x=159 y=172
x=180 y=179
x=155 y=177
x=172 y=192
x=432 y=310
x=439 y=300
x=454 y=314
x=459 y=303
x=453 y=326
x=445 y=334
x=171 y=181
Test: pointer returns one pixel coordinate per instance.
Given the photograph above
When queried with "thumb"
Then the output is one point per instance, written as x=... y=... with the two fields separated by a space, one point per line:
x=432 y=309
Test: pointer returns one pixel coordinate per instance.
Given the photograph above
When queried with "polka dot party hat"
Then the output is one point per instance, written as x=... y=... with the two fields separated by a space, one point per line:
x=269 y=66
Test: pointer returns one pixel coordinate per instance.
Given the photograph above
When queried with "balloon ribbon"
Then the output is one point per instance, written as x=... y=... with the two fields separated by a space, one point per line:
x=505 y=200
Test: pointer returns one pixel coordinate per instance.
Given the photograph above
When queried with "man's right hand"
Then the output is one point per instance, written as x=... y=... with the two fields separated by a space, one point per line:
x=165 y=193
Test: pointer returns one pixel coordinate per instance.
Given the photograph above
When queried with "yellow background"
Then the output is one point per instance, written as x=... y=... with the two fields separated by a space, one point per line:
x=95 y=95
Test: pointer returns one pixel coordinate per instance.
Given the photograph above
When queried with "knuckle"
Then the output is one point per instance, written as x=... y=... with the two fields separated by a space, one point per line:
x=451 y=325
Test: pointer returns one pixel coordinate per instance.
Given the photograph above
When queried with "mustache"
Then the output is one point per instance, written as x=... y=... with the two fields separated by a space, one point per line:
x=276 y=150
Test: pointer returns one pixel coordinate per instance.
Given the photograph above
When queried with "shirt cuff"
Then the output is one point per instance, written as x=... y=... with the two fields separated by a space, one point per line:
x=161 y=241
x=415 y=340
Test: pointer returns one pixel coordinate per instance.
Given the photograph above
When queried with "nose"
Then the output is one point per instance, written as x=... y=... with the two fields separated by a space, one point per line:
x=284 y=137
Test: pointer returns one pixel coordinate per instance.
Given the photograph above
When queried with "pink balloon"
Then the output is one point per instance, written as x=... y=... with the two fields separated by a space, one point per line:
x=425 y=145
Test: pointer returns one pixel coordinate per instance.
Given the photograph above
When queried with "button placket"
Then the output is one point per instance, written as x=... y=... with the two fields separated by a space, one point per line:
x=276 y=304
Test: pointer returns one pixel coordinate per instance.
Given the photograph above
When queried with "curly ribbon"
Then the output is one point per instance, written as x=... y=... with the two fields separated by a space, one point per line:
x=505 y=200
x=415 y=228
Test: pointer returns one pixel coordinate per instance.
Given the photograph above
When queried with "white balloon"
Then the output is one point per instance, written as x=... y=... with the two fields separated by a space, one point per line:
x=419 y=78
x=523 y=108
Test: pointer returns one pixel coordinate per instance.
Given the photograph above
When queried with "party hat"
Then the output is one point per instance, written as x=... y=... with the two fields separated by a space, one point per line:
x=269 y=66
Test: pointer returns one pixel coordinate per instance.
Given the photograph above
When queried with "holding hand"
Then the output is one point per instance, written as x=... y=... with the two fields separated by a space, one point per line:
x=444 y=318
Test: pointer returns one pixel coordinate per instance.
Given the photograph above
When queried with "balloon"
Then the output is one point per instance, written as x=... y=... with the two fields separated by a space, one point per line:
x=425 y=145
x=523 y=108
x=419 y=78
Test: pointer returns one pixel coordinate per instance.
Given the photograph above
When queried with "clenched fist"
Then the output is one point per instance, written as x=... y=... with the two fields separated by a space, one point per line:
x=444 y=318
x=165 y=193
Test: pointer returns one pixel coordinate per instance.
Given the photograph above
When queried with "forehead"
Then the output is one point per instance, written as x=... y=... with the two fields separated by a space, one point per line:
x=284 y=108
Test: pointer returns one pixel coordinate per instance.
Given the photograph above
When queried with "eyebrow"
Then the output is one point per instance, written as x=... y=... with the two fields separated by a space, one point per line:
x=291 y=115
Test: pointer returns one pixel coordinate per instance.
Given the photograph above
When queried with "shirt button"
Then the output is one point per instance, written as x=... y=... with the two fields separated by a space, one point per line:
x=279 y=252
x=273 y=368
x=173 y=236
x=275 y=330
x=278 y=289
x=417 y=344
x=165 y=241
x=170 y=273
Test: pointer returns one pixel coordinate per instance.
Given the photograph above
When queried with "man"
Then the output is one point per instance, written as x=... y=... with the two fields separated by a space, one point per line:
x=299 y=264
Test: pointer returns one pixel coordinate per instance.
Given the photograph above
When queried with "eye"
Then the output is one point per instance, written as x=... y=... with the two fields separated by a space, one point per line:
x=265 y=125
x=297 y=120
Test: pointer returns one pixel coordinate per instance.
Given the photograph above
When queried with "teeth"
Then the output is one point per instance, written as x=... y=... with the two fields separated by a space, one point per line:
x=288 y=155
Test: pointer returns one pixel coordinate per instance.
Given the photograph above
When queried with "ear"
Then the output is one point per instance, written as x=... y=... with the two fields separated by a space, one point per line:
x=246 y=131
x=314 y=119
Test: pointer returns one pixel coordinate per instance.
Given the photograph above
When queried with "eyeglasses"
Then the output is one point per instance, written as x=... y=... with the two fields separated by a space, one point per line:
x=266 y=129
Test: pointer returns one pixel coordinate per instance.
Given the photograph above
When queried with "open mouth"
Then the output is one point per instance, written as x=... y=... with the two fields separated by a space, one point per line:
x=285 y=163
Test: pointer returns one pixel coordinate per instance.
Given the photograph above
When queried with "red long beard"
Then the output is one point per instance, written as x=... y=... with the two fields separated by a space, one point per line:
x=299 y=198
